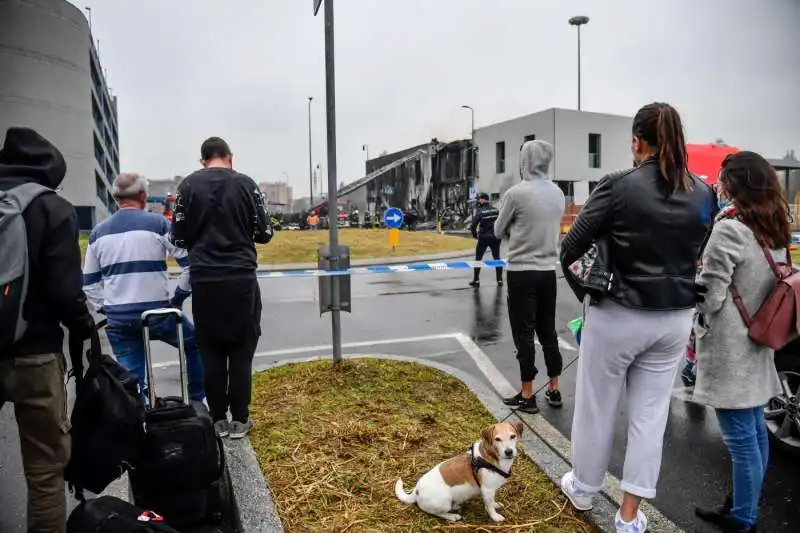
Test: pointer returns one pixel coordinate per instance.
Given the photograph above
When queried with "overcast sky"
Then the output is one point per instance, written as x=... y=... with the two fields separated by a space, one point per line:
x=188 y=69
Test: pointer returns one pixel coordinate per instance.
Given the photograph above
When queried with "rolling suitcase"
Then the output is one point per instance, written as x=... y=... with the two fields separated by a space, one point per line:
x=180 y=464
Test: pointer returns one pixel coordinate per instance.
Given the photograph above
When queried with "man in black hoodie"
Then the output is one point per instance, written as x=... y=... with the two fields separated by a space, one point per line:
x=32 y=370
x=219 y=216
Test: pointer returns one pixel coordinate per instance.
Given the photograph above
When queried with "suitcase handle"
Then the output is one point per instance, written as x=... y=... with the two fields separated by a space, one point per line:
x=147 y=320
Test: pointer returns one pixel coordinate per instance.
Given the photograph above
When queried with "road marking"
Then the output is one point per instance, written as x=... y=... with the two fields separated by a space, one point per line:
x=328 y=347
x=553 y=437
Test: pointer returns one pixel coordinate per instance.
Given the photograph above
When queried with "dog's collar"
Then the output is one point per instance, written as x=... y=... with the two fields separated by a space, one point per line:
x=477 y=462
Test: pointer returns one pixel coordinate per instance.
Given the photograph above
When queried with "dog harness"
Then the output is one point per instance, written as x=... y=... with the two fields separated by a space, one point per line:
x=477 y=462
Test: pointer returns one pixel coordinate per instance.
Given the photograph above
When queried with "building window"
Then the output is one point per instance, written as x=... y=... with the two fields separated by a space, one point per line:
x=500 y=157
x=98 y=151
x=594 y=150
x=100 y=187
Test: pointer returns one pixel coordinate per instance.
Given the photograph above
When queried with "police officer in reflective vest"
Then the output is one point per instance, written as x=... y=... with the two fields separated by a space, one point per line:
x=483 y=229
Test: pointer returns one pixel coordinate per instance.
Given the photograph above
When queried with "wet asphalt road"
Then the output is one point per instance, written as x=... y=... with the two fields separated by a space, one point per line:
x=405 y=307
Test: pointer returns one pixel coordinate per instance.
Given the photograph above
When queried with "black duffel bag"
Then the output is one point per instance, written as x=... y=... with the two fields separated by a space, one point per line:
x=112 y=515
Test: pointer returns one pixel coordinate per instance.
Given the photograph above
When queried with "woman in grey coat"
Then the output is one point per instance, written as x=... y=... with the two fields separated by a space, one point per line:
x=735 y=375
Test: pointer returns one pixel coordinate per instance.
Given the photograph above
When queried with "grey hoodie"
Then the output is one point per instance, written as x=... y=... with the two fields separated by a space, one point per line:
x=531 y=212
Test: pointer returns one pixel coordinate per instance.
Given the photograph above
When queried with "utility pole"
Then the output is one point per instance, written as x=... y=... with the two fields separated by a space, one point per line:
x=578 y=22
x=310 y=169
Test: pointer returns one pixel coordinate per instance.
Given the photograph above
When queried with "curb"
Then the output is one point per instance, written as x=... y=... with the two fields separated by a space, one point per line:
x=288 y=267
x=253 y=508
x=259 y=502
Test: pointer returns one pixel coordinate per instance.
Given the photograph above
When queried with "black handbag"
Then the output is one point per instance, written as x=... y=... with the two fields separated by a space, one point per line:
x=592 y=274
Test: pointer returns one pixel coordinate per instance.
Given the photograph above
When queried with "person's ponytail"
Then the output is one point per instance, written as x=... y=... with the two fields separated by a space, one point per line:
x=660 y=125
x=672 y=149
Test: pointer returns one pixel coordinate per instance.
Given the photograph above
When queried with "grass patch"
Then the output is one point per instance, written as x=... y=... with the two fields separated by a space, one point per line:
x=301 y=246
x=332 y=442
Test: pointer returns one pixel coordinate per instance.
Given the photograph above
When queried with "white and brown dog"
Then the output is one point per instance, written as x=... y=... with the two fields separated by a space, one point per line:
x=480 y=471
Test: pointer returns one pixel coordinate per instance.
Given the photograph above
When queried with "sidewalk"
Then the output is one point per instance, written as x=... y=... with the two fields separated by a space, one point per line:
x=284 y=267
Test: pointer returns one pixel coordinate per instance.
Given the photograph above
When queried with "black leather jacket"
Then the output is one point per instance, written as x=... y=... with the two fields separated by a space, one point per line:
x=652 y=240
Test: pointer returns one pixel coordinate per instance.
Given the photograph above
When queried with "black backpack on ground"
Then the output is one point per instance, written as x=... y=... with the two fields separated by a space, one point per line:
x=107 y=422
x=112 y=515
x=179 y=467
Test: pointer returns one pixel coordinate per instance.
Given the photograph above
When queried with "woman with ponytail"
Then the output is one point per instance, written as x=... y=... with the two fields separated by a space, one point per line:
x=651 y=221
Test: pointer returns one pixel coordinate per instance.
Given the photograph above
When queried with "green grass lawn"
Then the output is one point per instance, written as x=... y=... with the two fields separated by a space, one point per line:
x=333 y=440
x=301 y=246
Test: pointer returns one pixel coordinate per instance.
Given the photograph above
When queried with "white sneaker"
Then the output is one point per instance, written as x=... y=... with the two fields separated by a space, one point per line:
x=637 y=525
x=580 y=499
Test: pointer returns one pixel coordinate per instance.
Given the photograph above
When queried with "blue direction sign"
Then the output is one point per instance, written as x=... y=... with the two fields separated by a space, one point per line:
x=393 y=218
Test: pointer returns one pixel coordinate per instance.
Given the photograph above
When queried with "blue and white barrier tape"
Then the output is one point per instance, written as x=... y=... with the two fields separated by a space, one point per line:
x=386 y=269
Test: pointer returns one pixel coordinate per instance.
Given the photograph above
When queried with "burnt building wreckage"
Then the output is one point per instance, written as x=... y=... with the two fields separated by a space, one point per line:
x=432 y=178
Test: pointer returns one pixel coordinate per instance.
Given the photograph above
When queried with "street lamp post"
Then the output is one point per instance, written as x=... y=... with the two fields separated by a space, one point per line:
x=578 y=22
x=310 y=169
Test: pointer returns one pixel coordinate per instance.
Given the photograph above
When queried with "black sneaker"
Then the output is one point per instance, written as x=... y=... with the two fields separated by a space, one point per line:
x=525 y=405
x=528 y=406
x=553 y=397
x=499 y=282
x=475 y=284
x=514 y=401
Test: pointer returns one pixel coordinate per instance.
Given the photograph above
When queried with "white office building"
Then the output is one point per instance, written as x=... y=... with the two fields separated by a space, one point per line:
x=51 y=80
x=587 y=147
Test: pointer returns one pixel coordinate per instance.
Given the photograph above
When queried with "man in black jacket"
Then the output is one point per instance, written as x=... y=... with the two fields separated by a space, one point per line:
x=219 y=216
x=32 y=370
x=483 y=229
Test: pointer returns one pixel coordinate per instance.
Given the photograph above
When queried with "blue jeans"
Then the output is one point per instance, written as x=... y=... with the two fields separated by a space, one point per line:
x=127 y=341
x=744 y=433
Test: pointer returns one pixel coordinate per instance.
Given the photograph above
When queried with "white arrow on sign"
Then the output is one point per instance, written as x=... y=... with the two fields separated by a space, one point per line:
x=394 y=218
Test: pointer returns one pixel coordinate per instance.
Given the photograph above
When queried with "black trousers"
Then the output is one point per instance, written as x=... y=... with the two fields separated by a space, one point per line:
x=227 y=317
x=532 y=313
x=492 y=244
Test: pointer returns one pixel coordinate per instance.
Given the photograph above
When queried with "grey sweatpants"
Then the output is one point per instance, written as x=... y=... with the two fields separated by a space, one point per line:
x=634 y=355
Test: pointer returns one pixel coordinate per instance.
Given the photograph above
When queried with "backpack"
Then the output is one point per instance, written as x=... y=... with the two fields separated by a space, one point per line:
x=776 y=323
x=14 y=260
x=107 y=423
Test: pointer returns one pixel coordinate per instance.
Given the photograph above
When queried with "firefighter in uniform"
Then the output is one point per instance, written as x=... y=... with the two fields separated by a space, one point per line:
x=483 y=230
